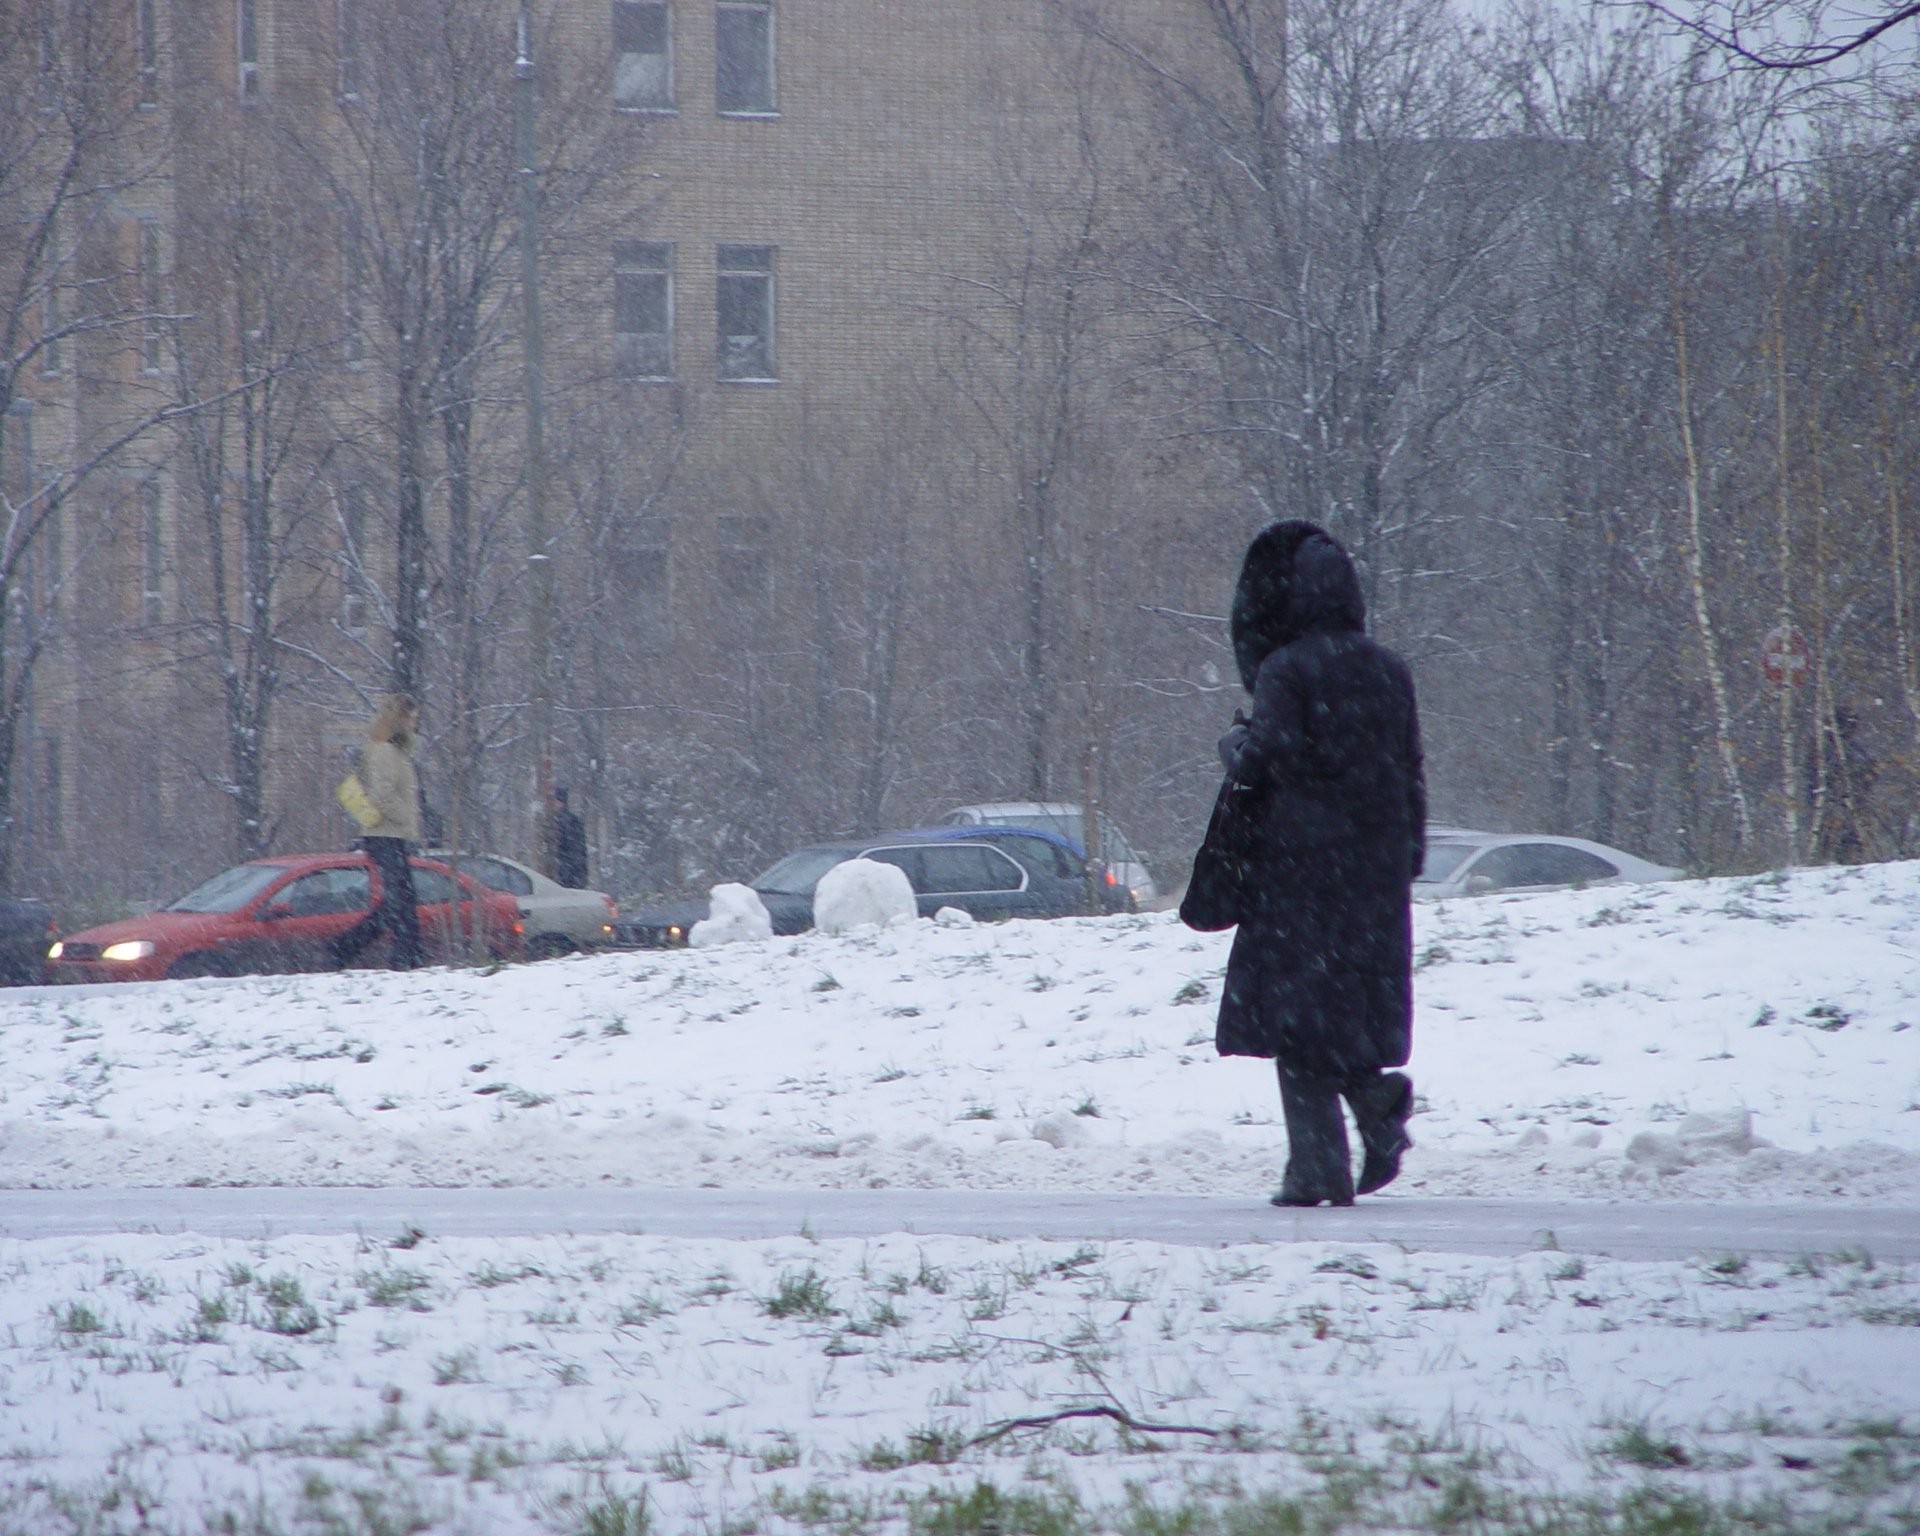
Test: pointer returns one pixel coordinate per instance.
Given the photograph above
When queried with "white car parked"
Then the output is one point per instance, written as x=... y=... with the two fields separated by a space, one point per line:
x=1462 y=863
x=558 y=918
x=1068 y=820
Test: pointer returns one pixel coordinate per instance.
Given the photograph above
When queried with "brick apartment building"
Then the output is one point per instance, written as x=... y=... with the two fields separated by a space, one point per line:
x=770 y=231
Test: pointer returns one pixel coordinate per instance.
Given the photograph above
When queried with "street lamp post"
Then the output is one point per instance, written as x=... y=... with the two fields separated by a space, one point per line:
x=539 y=561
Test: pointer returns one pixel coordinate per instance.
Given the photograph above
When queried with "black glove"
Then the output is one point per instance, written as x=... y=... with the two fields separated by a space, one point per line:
x=1233 y=741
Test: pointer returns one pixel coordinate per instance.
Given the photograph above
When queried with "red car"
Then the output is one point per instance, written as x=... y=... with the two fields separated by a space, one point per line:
x=281 y=914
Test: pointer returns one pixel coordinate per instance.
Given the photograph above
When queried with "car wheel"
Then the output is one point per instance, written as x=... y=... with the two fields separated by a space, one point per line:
x=200 y=963
x=549 y=946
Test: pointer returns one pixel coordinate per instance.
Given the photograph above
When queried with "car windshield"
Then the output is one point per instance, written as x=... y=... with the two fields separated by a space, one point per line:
x=798 y=873
x=229 y=891
x=1443 y=859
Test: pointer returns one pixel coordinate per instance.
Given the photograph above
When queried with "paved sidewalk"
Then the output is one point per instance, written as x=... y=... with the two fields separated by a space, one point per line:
x=1646 y=1230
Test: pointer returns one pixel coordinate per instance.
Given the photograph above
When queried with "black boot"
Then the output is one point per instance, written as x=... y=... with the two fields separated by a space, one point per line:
x=1381 y=1110
x=1287 y=1195
x=1318 y=1167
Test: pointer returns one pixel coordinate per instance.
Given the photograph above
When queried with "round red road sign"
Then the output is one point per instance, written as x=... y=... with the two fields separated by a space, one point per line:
x=1785 y=658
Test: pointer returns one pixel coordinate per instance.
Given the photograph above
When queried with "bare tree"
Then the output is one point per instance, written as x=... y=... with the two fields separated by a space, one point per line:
x=1787 y=34
x=80 y=291
x=252 y=351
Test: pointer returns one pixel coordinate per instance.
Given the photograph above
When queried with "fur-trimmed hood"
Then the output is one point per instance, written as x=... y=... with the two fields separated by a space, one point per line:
x=1295 y=579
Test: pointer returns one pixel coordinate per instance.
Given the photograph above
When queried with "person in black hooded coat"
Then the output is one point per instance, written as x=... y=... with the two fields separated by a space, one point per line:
x=1320 y=975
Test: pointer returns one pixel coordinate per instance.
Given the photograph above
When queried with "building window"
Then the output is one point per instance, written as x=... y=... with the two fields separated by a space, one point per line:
x=53 y=561
x=148 y=21
x=643 y=309
x=742 y=563
x=353 y=273
x=649 y=595
x=50 y=307
x=247 y=37
x=353 y=549
x=147 y=265
x=153 y=565
x=48 y=73
x=743 y=57
x=47 y=810
x=743 y=308
x=349 y=82
x=642 y=56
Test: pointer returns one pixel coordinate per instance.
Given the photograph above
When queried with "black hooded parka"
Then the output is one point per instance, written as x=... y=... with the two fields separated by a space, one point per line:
x=1320 y=976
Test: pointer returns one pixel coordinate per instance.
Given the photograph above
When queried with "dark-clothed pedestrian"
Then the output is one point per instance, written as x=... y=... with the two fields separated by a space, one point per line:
x=569 y=843
x=386 y=772
x=1326 y=774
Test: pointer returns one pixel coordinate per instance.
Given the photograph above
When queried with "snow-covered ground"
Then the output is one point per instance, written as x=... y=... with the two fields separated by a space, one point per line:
x=1739 y=1039
x=1749 y=1040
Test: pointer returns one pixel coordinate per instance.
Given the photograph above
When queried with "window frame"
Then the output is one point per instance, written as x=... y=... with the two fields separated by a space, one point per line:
x=153 y=565
x=349 y=59
x=631 y=260
x=733 y=266
x=771 y=62
x=668 y=104
x=246 y=48
x=150 y=272
x=146 y=24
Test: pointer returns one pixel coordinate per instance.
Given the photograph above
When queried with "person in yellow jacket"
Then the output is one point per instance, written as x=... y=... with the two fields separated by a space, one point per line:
x=386 y=773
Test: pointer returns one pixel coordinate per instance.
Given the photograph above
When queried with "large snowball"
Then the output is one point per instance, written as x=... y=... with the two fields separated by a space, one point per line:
x=738 y=914
x=862 y=891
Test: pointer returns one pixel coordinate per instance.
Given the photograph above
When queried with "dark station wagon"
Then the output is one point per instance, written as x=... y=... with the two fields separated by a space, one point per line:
x=988 y=872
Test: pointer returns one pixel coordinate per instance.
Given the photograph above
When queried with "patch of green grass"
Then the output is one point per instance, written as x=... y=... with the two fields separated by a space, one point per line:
x=985 y=1510
x=1639 y=1444
x=616 y=1514
x=800 y=1293
x=289 y=1313
x=488 y=1275
x=210 y=1314
x=640 y=1311
x=396 y=1288
x=886 y=1315
x=79 y=1320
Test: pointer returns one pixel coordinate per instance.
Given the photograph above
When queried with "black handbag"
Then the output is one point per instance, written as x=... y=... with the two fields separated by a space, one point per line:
x=1222 y=877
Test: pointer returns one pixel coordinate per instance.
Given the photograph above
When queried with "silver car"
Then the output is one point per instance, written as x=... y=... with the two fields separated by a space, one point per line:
x=1462 y=863
x=558 y=918
x=1067 y=820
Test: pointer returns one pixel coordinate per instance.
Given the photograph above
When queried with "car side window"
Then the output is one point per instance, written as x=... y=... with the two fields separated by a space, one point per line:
x=326 y=891
x=503 y=877
x=431 y=886
x=1041 y=856
x=1522 y=864
x=906 y=860
x=1571 y=866
x=970 y=867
